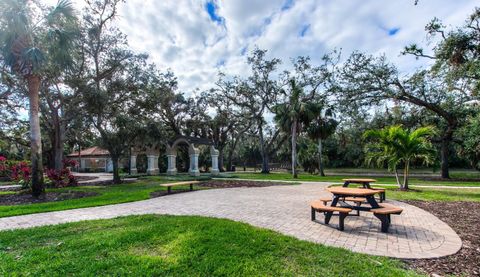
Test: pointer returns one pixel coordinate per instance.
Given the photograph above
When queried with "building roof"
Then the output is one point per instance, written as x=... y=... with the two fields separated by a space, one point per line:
x=92 y=151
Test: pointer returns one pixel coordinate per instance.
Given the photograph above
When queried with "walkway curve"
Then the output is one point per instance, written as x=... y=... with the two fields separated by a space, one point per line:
x=414 y=234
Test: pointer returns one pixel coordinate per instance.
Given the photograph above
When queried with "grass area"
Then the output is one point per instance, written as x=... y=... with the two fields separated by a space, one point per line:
x=434 y=194
x=127 y=192
x=177 y=246
x=338 y=178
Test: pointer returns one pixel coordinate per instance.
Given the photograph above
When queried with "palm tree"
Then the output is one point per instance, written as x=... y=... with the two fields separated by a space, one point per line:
x=395 y=145
x=28 y=47
x=320 y=129
x=290 y=116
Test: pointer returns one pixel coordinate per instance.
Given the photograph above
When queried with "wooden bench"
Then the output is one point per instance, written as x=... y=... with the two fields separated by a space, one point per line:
x=383 y=213
x=357 y=200
x=318 y=206
x=170 y=185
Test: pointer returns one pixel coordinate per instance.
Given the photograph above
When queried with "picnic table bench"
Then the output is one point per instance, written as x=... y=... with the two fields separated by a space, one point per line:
x=170 y=185
x=358 y=196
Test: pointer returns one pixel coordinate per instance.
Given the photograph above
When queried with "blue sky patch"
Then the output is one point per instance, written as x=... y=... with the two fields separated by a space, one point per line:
x=393 y=31
x=304 y=30
x=212 y=12
x=220 y=63
x=243 y=51
x=287 y=5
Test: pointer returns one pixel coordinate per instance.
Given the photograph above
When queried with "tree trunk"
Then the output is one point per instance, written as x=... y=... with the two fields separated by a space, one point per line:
x=231 y=151
x=116 y=172
x=79 y=167
x=38 y=188
x=397 y=177
x=405 y=175
x=58 y=143
x=294 y=149
x=263 y=150
x=444 y=155
x=320 y=159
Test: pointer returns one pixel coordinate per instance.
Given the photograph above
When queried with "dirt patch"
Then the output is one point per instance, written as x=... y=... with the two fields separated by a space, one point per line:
x=26 y=198
x=220 y=184
x=464 y=218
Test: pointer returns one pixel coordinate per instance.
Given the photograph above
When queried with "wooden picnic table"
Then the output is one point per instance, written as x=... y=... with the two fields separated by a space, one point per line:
x=364 y=182
x=340 y=194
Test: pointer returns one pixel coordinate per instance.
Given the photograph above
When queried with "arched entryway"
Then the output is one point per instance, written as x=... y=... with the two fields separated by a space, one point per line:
x=152 y=154
x=152 y=160
x=193 y=152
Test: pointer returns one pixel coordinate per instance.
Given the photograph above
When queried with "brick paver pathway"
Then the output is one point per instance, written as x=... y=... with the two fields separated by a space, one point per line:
x=413 y=234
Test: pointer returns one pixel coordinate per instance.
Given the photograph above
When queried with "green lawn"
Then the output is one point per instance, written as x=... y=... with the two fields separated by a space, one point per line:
x=434 y=194
x=177 y=246
x=338 y=178
x=127 y=192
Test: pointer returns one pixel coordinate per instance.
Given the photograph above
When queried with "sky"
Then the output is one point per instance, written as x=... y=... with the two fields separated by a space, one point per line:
x=197 y=38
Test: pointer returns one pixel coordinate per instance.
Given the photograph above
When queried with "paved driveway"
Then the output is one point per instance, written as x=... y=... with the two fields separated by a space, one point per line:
x=413 y=234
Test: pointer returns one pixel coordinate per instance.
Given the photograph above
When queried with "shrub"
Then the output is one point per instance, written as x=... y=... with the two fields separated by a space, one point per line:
x=3 y=166
x=61 y=178
x=21 y=173
x=64 y=177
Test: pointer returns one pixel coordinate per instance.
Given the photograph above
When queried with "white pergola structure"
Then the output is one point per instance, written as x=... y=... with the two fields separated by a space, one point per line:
x=193 y=151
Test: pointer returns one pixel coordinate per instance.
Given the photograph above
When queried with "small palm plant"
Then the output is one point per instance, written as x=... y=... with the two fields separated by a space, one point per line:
x=396 y=145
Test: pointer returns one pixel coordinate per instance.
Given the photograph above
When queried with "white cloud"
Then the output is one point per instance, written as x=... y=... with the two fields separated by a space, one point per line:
x=181 y=35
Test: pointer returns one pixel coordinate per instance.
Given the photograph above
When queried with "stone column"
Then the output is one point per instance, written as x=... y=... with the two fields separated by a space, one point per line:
x=194 y=153
x=214 y=153
x=152 y=168
x=172 y=164
x=133 y=164
x=172 y=160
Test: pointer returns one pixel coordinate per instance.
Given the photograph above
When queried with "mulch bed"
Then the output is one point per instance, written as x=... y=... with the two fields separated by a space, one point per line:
x=464 y=218
x=220 y=184
x=26 y=198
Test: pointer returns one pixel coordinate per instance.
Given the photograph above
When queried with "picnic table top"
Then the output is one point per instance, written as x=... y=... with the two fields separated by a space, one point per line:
x=352 y=191
x=359 y=180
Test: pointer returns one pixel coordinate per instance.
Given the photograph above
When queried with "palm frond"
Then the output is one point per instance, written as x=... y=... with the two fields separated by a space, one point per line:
x=63 y=8
x=32 y=59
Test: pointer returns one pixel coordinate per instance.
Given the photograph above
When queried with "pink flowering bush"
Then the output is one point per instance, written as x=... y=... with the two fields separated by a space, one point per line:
x=21 y=173
x=3 y=166
x=62 y=178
